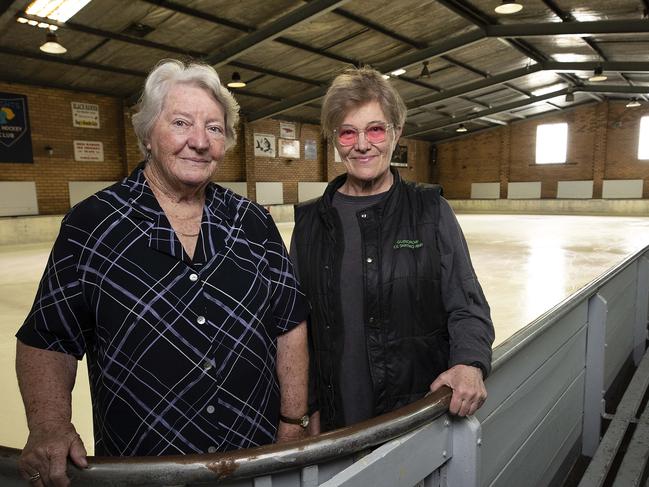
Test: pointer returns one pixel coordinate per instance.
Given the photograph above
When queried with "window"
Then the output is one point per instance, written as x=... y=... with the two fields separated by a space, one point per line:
x=643 y=143
x=551 y=143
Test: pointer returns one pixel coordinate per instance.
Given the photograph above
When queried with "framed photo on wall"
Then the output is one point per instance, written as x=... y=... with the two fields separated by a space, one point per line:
x=264 y=145
x=289 y=148
x=287 y=130
x=310 y=150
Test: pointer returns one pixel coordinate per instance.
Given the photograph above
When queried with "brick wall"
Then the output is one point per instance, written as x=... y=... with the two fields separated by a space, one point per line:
x=602 y=144
x=287 y=170
x=50 y=116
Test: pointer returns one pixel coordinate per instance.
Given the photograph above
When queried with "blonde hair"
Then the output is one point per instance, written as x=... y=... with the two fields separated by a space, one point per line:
x=356 y=87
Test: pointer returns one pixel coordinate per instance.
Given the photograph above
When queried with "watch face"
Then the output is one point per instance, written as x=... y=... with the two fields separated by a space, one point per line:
x=304 y=421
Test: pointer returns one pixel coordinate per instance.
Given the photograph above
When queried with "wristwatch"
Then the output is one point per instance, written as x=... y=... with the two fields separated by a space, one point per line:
x=303 y=421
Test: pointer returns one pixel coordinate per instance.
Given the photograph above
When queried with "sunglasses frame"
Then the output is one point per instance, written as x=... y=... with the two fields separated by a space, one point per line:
x=387 y=126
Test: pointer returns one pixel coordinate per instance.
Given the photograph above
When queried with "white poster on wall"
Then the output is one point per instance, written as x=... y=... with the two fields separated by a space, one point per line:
x=264 y=145
x=88 y=150
x=85 y=115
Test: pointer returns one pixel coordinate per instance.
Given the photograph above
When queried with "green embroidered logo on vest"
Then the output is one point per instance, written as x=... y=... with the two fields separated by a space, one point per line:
x=408 y=244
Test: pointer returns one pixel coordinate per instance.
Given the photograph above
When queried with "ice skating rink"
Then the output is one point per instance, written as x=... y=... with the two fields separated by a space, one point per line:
x=526 y=264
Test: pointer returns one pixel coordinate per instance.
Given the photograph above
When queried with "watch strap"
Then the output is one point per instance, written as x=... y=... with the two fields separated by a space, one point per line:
x=301 y=421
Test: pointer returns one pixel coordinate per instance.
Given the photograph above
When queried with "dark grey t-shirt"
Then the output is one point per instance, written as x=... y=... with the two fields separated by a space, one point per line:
x=356 y=379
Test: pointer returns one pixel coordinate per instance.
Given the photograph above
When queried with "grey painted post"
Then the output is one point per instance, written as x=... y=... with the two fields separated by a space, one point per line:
x=463 y=469
x=641 y=310
x=594 y=386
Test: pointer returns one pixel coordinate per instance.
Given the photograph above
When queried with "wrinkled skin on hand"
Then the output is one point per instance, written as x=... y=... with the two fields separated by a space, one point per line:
x=48 y=447
x=290 y=432
x=469 y=392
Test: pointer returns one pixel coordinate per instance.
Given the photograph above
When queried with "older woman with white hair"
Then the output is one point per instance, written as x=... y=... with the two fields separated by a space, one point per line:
x=179 y=291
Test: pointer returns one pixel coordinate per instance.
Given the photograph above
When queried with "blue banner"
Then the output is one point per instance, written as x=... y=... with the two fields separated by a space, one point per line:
x=15 y=132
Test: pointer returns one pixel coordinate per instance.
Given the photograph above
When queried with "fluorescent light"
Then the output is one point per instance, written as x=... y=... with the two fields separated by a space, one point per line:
x=60 y=10
x=508 y=7
x=21 y=20
x=633 y=103
x=385 y=76
x=398 y=72
x=461 y=128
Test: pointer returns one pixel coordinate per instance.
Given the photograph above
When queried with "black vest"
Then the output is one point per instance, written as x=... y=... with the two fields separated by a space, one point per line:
x=405 y=323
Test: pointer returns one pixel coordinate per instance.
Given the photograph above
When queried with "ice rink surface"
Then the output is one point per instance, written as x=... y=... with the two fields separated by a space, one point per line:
x=526 y=263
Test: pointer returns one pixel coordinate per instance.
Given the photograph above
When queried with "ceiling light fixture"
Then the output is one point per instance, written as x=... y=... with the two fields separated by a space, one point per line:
x=598 y=75
x=461 y=128
x=398 y=72
x=236 y=81
x=60 y=10
x=424 y=71
x=51 y=45
x=508 y=7
x=570 y=97
x=633 y=103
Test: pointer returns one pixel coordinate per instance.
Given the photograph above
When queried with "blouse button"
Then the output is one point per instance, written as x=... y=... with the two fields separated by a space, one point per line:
x=193 y=277
x=209 y=409
x=200 y=320
x=211 y=449
x=369 y=260
x=207 y=365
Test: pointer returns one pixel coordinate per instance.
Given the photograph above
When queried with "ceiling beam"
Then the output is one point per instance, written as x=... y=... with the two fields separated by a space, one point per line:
x=530 y=101
x=491 y=111
x=190 y=12
x=380 y=29
x=273 y=30
x=599 y=88
x=73 y=26
x=617 y=66
x=411 y=58
x=627 y=26
x=70 y=62
x=473 y=86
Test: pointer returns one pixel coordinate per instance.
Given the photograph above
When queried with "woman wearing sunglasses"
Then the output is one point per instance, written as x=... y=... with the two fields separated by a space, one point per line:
x=397 y=310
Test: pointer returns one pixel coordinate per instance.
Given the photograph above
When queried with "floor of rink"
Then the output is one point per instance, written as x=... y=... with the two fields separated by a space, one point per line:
x=526 y=264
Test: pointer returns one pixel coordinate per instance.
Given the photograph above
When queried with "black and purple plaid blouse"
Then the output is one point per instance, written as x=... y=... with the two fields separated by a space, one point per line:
x=181 y=353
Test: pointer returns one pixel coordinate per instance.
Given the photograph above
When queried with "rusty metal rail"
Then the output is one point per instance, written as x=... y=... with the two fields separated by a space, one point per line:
x=180 y=470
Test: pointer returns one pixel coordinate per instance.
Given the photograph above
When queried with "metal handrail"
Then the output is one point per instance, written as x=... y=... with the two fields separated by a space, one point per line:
x=247 y=463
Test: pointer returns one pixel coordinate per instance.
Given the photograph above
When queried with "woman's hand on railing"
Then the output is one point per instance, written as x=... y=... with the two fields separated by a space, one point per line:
x=469 y=392
x=43 y=461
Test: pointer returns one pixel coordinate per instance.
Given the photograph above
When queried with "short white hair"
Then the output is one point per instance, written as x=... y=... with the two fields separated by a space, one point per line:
x=162 y=78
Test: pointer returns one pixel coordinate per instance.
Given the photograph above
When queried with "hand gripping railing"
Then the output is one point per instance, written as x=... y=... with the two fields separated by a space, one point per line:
x=179 y=470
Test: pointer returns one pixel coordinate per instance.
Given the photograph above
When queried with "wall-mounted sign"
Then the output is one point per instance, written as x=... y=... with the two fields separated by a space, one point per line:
x=287 y=130
x=310 y=150
x=85 y=115
x=15 y=134
x=264 y=145
x=88 y=150
x=289 y=148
